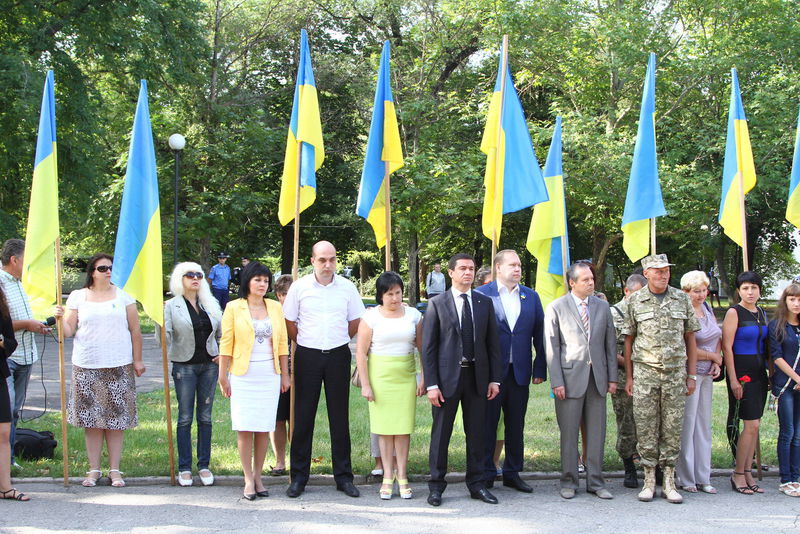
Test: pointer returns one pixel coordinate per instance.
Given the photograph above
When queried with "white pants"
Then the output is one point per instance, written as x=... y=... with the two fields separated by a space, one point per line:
x=694 y=462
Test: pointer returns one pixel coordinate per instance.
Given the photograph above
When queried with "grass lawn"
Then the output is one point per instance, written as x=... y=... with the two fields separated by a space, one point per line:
x=146 y=448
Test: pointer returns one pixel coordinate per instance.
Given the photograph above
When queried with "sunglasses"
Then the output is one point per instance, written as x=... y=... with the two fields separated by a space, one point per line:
x=196 y=276
x=102 y=268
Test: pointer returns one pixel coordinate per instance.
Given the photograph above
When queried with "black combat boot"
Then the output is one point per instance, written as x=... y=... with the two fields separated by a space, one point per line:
x=631 y=479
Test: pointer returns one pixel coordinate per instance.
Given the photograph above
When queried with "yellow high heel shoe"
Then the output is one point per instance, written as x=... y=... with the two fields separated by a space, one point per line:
x=405 y=492
x=386 y=492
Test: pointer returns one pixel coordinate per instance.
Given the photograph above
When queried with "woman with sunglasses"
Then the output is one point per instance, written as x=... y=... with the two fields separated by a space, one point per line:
x=106 y=354
x=191 y=324
x=255 y=351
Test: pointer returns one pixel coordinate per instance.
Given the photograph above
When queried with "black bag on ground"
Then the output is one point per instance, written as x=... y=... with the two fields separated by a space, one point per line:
x=32 y=445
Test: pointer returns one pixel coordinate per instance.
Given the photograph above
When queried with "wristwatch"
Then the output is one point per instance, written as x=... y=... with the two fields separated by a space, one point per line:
x=693 y=377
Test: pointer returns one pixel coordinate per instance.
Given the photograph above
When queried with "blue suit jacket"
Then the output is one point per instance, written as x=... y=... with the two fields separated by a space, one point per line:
x=528 y=332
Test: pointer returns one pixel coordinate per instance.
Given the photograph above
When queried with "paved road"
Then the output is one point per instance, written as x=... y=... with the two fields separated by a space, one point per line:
x=43 y=389
x=163 y=508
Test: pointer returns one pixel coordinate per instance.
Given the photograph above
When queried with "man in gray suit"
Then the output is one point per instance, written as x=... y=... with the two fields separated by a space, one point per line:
x=580 y=343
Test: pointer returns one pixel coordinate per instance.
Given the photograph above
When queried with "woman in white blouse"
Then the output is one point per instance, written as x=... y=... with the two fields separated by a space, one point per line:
x=106 y=354
x=387 y=336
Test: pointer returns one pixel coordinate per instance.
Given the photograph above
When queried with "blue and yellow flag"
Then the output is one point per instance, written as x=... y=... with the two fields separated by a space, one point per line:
x=384 y=154
x=137 y=254
x=39 y=263
x=513 y=179
x=644 y=200
x=738 y=169
x=303 y=142
x=549 y=227
x=793 y=206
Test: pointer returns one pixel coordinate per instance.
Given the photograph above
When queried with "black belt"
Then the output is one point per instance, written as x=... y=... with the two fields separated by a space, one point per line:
x=324 y=351
x=467 y=363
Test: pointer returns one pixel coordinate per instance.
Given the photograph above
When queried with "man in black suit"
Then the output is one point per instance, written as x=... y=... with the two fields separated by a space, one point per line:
x=461 y=359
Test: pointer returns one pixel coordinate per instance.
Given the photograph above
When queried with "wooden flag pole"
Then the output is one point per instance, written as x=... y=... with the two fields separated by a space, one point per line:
x=498 y=190
x=564 y=265
x=61 y=377
x=167 y=404
x=388 y=208
x=653 y=235
x=295 y=276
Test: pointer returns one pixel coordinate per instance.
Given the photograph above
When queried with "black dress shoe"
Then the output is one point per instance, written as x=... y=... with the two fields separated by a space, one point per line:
x=249 y=496
x=518 y=484
x=295 y=489
x=263 y=493
x=349 y=489
x=483 y=495
x=435 y=498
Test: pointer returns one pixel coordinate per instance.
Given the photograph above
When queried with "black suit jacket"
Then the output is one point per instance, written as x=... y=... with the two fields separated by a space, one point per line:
x=442 y=349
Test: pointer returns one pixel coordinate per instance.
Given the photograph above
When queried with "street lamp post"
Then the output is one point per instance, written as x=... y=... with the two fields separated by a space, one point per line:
x=176 y=143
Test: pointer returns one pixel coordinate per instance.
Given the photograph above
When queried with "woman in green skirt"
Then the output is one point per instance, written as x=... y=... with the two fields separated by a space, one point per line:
x=387 y=336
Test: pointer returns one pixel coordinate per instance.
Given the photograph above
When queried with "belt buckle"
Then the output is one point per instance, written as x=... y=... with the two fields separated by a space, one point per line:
x=324 y=351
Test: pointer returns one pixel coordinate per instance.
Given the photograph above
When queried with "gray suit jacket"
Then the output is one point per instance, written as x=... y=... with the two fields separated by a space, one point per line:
x=570 y=352
x=180 y=332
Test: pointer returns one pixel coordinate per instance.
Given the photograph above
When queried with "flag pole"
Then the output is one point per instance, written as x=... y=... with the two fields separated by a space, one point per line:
x=167 y=404
x=499 y=194
x=652 y=235
x=61 y=377
x=388 y=208
x=745 y=262
x=564 y=265
x=295 y=276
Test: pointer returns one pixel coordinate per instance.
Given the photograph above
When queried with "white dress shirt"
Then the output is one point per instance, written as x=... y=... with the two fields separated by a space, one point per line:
x=460 y=303
x=578 y=302
x=511 y=304
x=322 y=312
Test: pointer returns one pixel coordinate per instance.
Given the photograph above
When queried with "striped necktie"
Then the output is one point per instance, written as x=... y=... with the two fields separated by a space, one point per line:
x=585 y=316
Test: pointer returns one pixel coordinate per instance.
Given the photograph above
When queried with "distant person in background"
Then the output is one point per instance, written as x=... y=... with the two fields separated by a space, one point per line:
x=254 y=349
x=713 y=288
x=483 y=276
x=220 y=278
x=278 y=437
x=434 y=282
x=192 y=327
x=21 y=360
x=236 y=276
x=7 y=345
x=106 y=354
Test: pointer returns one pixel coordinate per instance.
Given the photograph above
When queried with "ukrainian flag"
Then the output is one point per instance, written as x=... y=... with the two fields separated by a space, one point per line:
x=39 y=264
x=644 y=200
x=793 y=207
x=513 y=179
x=304 y=141
x=384 y=154
x=738 y=164
x=549 y=227
x=137 y=254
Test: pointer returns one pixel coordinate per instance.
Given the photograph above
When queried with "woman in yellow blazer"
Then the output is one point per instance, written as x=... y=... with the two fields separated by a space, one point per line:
x=253 y=370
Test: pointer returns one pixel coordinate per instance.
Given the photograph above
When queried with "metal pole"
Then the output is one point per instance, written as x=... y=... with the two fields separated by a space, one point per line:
x=175 y=215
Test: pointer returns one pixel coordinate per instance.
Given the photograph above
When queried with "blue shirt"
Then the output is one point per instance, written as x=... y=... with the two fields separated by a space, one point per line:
x=220 y=276
x=787 y=349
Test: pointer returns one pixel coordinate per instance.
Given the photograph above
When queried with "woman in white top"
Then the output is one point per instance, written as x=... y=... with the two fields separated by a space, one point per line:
x=106 y=355
x=387 y=336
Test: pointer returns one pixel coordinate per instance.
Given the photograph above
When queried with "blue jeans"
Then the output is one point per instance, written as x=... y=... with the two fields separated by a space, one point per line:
x=17 y=389
x=789 y=435
x=194 y=380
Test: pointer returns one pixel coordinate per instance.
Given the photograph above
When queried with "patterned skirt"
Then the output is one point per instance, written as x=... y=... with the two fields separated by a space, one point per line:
x=103 y=398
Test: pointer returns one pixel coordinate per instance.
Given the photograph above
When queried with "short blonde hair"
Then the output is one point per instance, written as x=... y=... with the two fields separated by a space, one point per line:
x=694 y=279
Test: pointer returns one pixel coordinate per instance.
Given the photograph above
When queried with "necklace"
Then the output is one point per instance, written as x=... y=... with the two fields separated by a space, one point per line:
x=756 y=315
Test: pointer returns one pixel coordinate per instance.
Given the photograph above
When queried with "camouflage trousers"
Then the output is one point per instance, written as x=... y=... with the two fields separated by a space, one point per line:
x=659 y=396
x=626 y=427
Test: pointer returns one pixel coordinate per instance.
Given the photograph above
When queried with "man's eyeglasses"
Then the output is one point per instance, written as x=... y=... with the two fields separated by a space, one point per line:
x=195 y=276
x=102 y=268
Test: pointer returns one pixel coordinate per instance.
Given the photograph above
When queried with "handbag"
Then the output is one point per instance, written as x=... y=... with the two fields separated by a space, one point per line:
x=355 y=380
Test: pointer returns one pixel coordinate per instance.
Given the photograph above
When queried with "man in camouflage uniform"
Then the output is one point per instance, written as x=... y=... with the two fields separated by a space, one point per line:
x=659 y=330
x=623 y=403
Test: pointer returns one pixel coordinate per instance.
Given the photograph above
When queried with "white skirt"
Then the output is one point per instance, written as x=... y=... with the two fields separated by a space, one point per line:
x=254 y=398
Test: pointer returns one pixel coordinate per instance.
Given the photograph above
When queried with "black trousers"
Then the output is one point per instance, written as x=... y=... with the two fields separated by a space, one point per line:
x=312 y=367
x=473 y=409
x=513 y=399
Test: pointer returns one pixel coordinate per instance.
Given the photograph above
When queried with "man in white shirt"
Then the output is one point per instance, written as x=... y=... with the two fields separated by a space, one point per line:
x=322 y=313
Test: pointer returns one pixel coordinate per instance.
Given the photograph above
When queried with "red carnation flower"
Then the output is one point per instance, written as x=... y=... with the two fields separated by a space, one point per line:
x=745 y=379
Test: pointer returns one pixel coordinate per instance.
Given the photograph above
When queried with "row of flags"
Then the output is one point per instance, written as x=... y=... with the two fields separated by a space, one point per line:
x=513 y=181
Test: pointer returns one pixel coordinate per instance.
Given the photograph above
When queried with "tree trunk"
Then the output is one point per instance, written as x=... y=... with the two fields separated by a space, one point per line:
x=287 y=248
x=724 y=277
x=413 y=270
